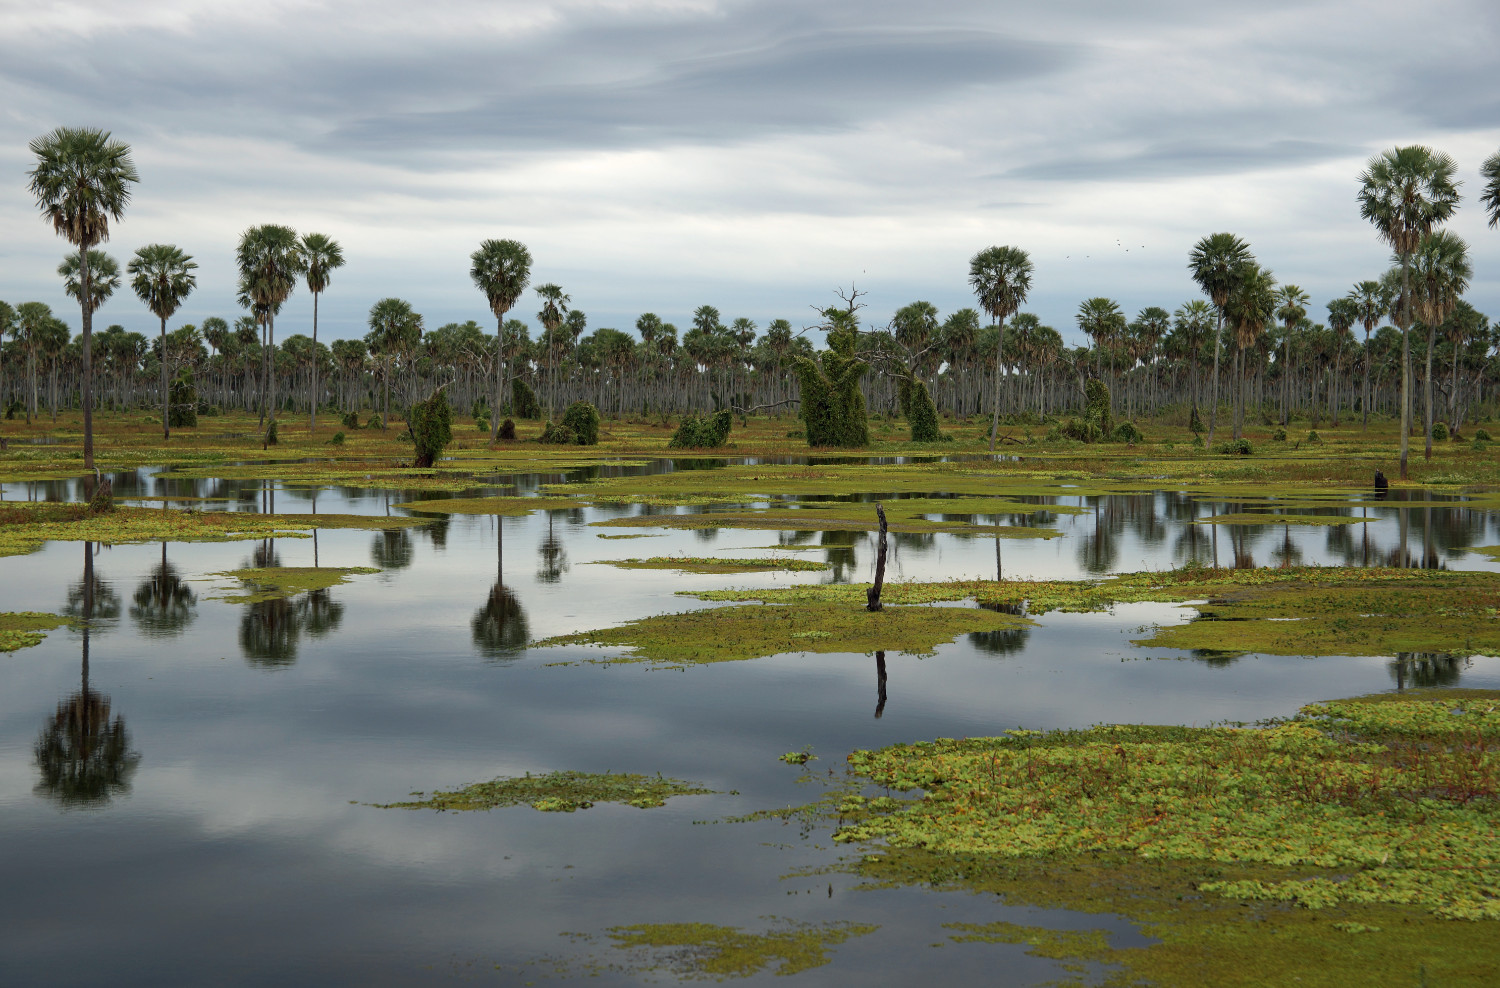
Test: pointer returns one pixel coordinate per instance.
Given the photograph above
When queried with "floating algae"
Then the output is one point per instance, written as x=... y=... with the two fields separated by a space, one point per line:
x=23 y=629
x=711 y=564
x=280 y=582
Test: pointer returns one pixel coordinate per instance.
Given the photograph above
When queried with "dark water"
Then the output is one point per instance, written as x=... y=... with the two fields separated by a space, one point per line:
x=226 y=840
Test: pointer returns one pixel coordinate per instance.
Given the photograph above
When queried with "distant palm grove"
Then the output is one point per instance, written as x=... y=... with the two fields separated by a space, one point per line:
x=1400 y=342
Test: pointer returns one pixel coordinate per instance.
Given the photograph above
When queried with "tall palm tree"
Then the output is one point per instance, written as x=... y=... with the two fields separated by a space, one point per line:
x=7 y=325
x=270 y=262
x=1102 y=321
x=1406 y=192
x=1441 y=272
x=552 y=315
x=1251 y=307
x=1218 y=264
x=1000 y=277
x=1371 y=304
x=395 y=329
x=1342 y=314
x=104 y=278
x=1291 y=309
x=1191 y=323
x=502 y=270
x=81 y=181
x=162 y=276
x=321 y=255
x=1490 y=198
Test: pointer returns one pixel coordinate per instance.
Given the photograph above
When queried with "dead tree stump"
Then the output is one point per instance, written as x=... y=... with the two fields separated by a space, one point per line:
x=872 y=595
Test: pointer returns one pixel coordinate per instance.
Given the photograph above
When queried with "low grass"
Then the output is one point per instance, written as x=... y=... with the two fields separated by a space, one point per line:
x=280 y=582
x=23 y=629
x=713 y=564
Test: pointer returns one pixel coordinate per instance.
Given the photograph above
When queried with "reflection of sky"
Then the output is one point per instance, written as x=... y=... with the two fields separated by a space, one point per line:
x=238 y=849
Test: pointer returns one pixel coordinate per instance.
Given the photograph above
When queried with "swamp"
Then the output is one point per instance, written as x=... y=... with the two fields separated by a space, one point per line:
x=1130 y=714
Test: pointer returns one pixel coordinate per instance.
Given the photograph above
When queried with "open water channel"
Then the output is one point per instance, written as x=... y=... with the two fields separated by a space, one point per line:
x=240 y=847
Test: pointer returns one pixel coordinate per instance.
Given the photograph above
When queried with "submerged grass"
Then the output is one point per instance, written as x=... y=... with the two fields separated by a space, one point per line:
x=707 y=951
x=23 y=629
x=1256 y=856
x=729 y=634
x=557 y=792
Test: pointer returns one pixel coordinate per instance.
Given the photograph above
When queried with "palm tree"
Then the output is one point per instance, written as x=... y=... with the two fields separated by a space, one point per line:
x=502 y=270
x=31 y=329
x=553 y=314
x=1442 y=272
x=1000 y=277
x=7 y=325
x=1342 y=313
x=270 y=261
x=162 y=276
x=1490 y=198
x=1251 y=307
x=1291 y=309
x=1218 y=263
x=1406 y=192
x=395 y=328
x=320 y=255
x=1371 y=303
x=81 y=181
x=1191 y=323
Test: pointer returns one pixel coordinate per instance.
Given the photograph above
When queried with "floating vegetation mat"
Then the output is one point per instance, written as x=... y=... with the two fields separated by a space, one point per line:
x=23 y=629
x=25 y=526
x=279 y=582
x=1256 y=856
x=838 y=516
x=711 y=564
x=729 y=634
x=492 y=505
x=557 y=792
x=1267 y=518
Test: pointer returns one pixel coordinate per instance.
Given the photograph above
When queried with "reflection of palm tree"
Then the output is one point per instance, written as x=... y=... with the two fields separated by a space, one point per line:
x=499 y=626
x=84 y=756
x=391 y=549
x=163 y=603
x=271 y=629
x=838 y=549
x=554 y=556
x=1099 y=551
x=1004 y=641
x=1421 y=670
x=1288 y=553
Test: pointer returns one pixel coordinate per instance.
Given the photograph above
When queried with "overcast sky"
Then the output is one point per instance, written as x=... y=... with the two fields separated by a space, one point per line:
x=751 y=155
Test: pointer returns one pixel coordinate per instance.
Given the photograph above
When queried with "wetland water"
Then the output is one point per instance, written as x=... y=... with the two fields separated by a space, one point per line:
x=229 y=838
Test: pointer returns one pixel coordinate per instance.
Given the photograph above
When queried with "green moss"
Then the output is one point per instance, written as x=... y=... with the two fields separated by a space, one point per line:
x=1056 y=944
x=557 y=792
x=728 y=634
x=280 y=582
x=23 y=629
x=711 y=564
x=903 y=515
x=703 y=950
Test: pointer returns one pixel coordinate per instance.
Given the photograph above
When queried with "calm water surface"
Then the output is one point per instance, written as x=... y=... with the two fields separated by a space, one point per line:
x=239 y=848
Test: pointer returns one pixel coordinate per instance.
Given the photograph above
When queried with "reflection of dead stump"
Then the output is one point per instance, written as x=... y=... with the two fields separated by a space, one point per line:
x=879 y=684
x=101 y=493
x=872 y=596
x=1382 y=486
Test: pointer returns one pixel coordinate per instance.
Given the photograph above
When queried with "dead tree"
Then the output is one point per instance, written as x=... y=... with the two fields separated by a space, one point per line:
x=872 y=596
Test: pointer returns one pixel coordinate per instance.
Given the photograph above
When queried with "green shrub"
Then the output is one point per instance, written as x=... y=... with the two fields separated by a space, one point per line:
x=376 y=422
x=351 y=421
x=921 y=414
x=1313 y=438
x=523 y=400
x=832 y=404
x=1235 y=447
x=337 y=440
x=482 y=424
x=709 y=432
x=1195 y=424
x=1279 y=435
x=480 y=409
x=1197 y=442
x=508 y=430
x=271 y=438
x=582 y=419
x=430 y=425
x=1096 y=405
x=1481 y=434
x=1126 y=432
x=1439 y=432
x=559 y=435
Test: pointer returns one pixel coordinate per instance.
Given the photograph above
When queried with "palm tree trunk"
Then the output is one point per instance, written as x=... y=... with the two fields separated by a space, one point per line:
x=312 y=415
x=1213 y=401
x=1405 y=361
x=999 y=350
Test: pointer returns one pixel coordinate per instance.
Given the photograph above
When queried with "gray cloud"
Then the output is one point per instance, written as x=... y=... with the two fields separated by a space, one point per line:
x=1177 y=158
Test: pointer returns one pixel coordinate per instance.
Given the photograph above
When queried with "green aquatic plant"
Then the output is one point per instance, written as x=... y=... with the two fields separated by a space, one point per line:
x=557 y=792
x=704 y=950
x=23 y=629
x=713 y=564
x=280 y=582
x=730 y=634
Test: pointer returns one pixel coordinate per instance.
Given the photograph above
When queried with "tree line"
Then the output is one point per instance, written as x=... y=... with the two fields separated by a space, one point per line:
x=1249 y=340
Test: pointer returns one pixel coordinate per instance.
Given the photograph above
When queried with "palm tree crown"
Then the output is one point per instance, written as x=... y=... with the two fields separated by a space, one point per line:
x=162 y=277
x=1406 y=192
x=321 y=255
x=1001 y=278
x=104 y=277
x=1490 y=197
x=81 y=181
x=1217 y=263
